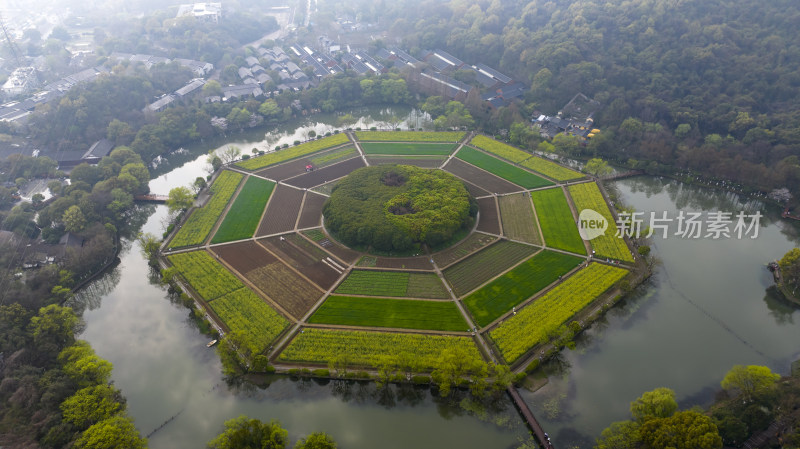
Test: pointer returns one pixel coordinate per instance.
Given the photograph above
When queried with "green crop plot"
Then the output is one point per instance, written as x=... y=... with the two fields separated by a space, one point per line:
x=478 y=268
x=434 y=149
x=516 y=212
x=249 y=318
x=551 y=169
x=505 y=151
x=392 y=283
x=208 y=278
x=200 y=223
x=409 y=136
x=502 y=169
x=293 y=152
x=532 y=324
x=385 y=312
x=556 y=220
x=333 y=156
x=588 y=196
x=244 y=215
x=518 y=284
x=362 y=348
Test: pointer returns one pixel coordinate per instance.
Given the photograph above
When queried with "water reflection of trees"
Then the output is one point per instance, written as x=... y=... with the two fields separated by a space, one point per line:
x=779 y=308
x=91 y=296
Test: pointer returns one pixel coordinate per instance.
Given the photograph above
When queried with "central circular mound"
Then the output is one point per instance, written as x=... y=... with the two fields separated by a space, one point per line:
x=395 y=207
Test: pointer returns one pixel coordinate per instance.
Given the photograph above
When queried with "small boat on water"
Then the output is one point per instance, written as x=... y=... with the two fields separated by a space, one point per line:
x=211 y=343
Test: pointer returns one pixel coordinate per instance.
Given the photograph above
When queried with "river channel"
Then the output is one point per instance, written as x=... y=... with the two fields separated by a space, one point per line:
x=705 y=309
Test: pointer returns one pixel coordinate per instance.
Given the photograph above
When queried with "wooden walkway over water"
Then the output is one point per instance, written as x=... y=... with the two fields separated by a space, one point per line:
x=526 y=413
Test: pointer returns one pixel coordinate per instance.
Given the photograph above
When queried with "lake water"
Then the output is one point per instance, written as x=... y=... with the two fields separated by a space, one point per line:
x=705 y=309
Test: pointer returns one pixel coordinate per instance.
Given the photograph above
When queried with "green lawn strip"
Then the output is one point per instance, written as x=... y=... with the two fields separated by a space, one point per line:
x=208 y=278
x=243 y=217
x=588 y=196
x=436 y=149
x=502 y=169
x=556 y=220
x=295 y=152
x=487 y=263
x=518 y=284
x=532 y=325
x=499 y=148
x=377 y=283
x=426 y=285
x=392 y=283
x=333 y=156
x=252 y=321
x=200 y=223
x=409 y=136
x=551 y=169
x=385 y=312
x=369 y=348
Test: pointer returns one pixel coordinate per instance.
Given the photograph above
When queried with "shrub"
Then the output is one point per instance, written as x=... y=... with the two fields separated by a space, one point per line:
x=245 y=157
x=321 y=372
x=277 y=147
x=373 y=128
x=421 y=380
x=297 y=142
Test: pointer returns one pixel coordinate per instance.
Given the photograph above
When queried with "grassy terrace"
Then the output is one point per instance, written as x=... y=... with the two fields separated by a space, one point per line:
x=362 y=348
x=551 y=169
x=392 y=283
x=556 y=220
x=502 y=169
x=295 y=152
x=533 y=324
x=202 y=220
x=393 y=148
x=478 y=268
x=588 y=196
x=206 y=276
x=518 y=284
x=535 y=163
x=409 y=136
x=384 y=312
x=254 y=322
x=243 y=217
x=507 y=152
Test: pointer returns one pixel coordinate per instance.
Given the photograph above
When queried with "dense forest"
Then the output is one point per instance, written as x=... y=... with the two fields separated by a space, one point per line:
x=710 y=86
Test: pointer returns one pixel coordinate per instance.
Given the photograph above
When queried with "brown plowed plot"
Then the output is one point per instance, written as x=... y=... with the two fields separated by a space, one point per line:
x=469 y=245
x=305 y=258
x=482 y=266
x=276 y=280
x=480 y=178
x=412 y=263
x=311 y=215
x=488 y=220
x=518 y=220
x=475 y=190
x=323 y=175
x=423 y=162
x=285 y=171
x=342 y=252
x=282 y=210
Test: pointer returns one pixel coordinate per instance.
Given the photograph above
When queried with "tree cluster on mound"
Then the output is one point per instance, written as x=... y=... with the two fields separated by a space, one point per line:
x=394 y=207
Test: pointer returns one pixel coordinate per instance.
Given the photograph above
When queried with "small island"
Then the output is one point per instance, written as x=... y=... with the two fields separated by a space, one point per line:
x=398 y=207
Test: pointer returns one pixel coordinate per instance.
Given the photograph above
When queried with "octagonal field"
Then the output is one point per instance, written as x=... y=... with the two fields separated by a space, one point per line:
x=258 y=257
